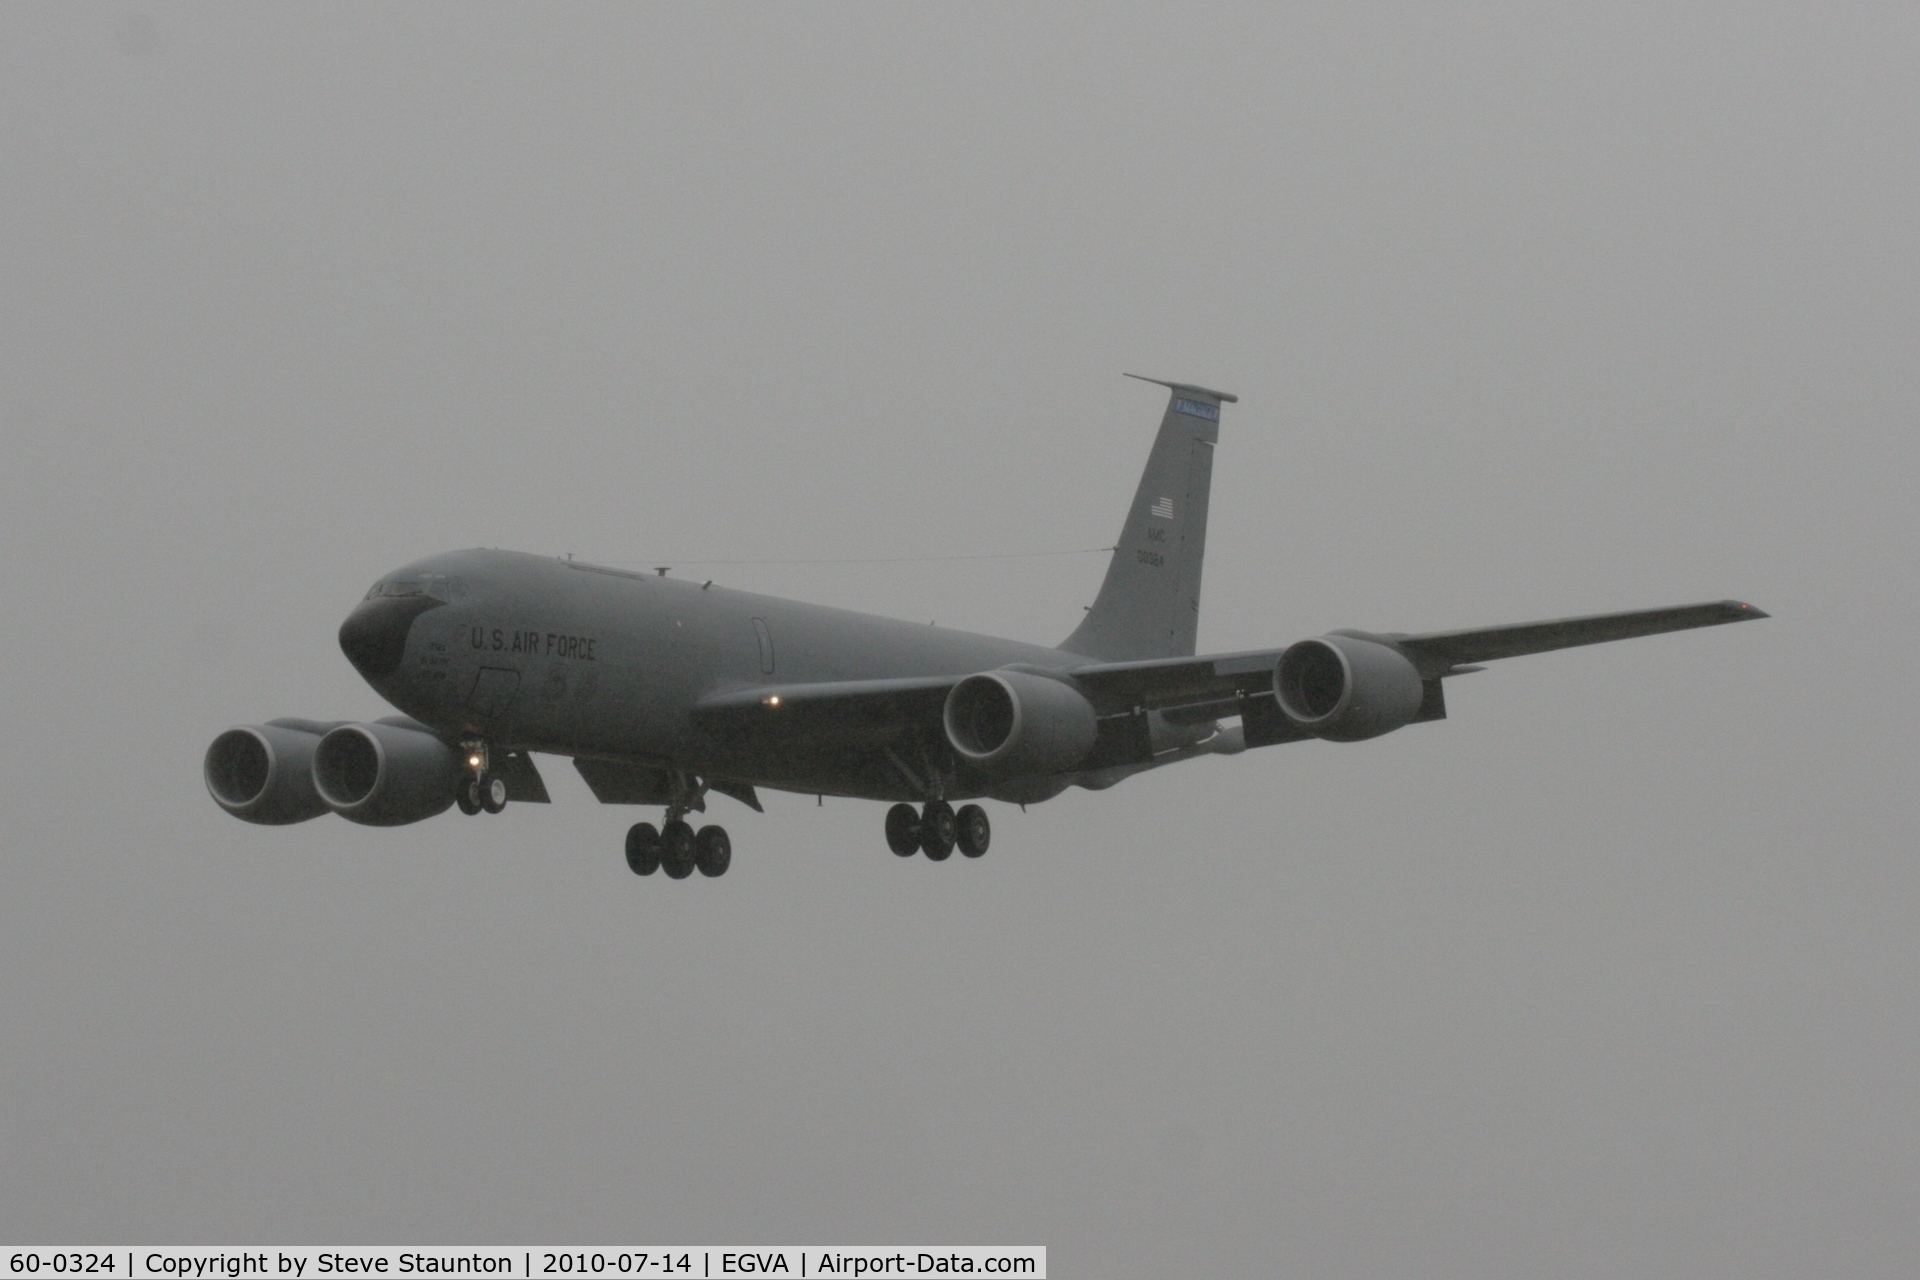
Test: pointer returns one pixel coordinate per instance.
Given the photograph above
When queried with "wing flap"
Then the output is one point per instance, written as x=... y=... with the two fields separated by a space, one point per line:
x=1162 y=683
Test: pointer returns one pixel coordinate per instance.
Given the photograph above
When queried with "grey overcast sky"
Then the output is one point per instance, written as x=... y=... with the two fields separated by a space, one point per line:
x=1533 y=310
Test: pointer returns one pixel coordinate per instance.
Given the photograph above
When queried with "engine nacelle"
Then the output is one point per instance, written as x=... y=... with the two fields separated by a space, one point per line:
x=1014 y=723
x=1345 y=689
x=264 y=773
x=385 y=775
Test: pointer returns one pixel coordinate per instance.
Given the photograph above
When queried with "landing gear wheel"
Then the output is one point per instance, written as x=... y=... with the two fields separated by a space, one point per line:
x=493 y=793
x=467 y=796
x=643 y=848
x=677 y=850
x=974 y=831
x=713 y=852
x=937 y=830
x=903 y=830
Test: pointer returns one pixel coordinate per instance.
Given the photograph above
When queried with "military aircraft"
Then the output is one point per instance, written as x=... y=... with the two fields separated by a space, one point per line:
x=663 y=690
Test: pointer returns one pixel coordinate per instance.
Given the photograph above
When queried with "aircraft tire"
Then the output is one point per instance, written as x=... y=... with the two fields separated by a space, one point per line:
x=677 y=850
x=973 y=833
x=937 y=830
x=713 y=851
x=903 y=830
x=467 y=796
x=493 y=793
x=643 y=849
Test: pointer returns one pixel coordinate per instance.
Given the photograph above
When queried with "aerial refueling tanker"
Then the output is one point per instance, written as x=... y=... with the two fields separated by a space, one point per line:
x=663 y=692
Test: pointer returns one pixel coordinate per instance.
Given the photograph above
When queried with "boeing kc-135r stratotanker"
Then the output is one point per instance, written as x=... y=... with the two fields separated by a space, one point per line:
x=663 y=691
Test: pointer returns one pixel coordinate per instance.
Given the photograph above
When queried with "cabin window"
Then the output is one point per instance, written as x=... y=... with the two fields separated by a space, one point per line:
x=765 y=638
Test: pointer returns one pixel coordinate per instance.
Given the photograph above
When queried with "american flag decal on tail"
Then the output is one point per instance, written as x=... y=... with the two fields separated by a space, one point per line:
x=1163 y=509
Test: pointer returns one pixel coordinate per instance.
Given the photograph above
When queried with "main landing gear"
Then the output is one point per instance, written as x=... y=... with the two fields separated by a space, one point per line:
x=678 y=850
x=676 y=847
x=936 y=830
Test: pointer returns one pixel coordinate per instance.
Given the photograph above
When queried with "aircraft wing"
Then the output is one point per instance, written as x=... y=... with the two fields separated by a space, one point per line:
x=1162 y=683
x=854 y=712
x=1487 y=643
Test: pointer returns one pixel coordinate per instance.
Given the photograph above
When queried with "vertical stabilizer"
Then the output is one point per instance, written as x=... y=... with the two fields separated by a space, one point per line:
x=1149 y=605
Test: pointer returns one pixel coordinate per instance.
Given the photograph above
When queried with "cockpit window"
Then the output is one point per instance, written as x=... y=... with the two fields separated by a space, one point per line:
x=438 y=586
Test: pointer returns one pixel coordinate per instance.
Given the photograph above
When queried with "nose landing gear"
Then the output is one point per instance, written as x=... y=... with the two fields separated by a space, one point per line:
x=482 y=790
x=490 y=791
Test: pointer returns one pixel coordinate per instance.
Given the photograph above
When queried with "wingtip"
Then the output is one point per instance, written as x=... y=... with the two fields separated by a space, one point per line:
x=1746 y=611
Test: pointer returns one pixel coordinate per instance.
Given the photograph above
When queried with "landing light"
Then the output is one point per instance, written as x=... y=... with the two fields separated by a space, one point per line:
x=774 y=700
x=473 y=762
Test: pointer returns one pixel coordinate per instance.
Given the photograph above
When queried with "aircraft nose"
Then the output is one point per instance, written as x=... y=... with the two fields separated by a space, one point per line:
x=374 y=636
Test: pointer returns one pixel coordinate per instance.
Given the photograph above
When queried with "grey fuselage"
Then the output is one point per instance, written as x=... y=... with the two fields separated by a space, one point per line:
x=535 y=653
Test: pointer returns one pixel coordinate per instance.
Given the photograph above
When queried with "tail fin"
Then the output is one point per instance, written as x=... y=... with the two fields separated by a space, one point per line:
x=1149 y=606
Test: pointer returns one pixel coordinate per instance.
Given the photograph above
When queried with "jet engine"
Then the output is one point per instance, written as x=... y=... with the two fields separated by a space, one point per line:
x=385 y=775
x=264 y=773
x=1346 y=689
x=1014 y=723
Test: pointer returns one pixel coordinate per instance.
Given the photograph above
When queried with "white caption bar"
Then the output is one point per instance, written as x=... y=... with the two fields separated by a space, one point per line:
x=574 y=1262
